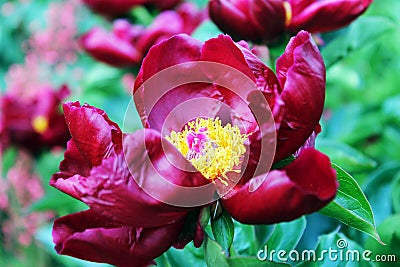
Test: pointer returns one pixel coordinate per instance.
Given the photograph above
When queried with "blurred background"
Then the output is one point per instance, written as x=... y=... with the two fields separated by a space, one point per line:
x=44 y=61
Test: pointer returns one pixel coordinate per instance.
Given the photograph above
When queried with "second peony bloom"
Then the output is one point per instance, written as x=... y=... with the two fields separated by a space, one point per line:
x=130 y=181
x=266 y=20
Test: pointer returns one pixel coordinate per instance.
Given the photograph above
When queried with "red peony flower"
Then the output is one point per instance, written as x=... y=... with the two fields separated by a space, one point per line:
x=127 y=44
x=132 y=182
x=34 y=121
x=265 y=20
x=119 y=7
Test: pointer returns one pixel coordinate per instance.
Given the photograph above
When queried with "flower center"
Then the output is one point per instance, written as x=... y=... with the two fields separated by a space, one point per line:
x=288 y=13
x=40 y=124
x=213 y=149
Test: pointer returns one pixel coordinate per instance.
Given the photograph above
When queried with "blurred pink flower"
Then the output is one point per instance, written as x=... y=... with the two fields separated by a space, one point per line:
x=23 y=188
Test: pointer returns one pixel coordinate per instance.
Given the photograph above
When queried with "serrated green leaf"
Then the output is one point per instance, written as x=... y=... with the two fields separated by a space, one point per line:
x=252 y=262
x=345 y=156
x=223 y=230
x=363 y=31
x=350 y=206
x=213 y=254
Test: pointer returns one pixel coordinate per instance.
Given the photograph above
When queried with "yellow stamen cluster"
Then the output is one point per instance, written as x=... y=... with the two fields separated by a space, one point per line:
x=40 y=124
x=221 y=149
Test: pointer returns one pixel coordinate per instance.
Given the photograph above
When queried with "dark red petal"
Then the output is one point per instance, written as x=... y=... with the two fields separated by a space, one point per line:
x=165 y=25
x=234 y=19
x=326 y=15
x=269 y=18
x=94 y=134
x=113 y=7
x=303 y=187
x=176 y=50
x=165 y=4
x=115 y=191
x=185 y=49
x=110 y=48
x=88 y=236
x=301 y=72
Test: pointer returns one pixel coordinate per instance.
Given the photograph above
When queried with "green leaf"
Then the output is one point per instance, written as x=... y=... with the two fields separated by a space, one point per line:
x=344 y=252
x=389 y=230
x=396 y=193
x=142 y=15
x=223 y=230
x=206 y=30
x=363 y=31
x=58 y=202
x=213 y=254
x=378 y=189
x=8 y=160
x=350 y=206
x=252 y=262
x=189 y=256
x=286 y=235
x=345 y=156
x=283 y=162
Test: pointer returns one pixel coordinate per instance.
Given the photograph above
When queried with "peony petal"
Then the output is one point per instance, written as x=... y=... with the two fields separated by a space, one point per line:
x=303 y=187
x=269 y=18
x=88 y=236
x=94 y=134
x=120 y=194
x=301 y=73
x=233 y=18
x=325 y=15
x=110 y=48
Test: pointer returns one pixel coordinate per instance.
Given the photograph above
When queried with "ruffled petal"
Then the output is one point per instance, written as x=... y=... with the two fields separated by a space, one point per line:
x=304 y=186
x=96 y=137
x=88 y=236
x=149 y=185
x=301 y=73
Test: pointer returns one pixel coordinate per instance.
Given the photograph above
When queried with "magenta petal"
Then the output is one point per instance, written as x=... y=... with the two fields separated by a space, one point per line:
x=303 y=187
x=186 y=49
x=232 y=19
x=325 y=15
x=301 y=73
x=94 y=134
x=110 y=48
x=165 y=25
x=88 y=236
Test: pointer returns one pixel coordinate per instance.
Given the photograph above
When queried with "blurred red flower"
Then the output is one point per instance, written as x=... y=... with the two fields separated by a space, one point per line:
x=128 y=44
x=266 y=20
x=119 y=7
x=106 y=169
x=34 y=121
